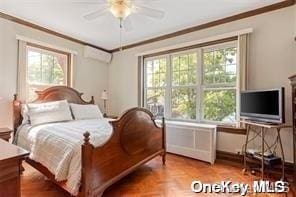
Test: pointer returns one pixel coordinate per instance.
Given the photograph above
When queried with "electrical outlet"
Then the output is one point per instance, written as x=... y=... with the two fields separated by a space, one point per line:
x=238 y=151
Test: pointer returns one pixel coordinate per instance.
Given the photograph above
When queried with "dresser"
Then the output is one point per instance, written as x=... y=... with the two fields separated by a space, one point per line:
x=11 y=158
x=293 y=83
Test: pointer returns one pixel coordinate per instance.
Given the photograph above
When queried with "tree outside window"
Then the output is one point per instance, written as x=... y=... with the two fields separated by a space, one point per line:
x=45 y=69
x=196 y=85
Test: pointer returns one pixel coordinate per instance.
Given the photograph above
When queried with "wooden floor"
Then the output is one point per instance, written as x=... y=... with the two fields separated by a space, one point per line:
x=152 y=179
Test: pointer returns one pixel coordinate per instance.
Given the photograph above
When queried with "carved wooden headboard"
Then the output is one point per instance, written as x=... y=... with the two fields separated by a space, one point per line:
x=55 y=93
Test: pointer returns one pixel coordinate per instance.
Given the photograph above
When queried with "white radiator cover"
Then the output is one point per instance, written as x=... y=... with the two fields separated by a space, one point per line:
x=193 y=140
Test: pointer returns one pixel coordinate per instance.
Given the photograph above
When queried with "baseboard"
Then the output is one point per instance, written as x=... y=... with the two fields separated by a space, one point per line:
x=236 y=159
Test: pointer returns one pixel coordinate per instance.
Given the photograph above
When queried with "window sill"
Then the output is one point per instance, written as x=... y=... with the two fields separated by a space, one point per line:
x=188 y=124
x=232 y=130
x=220 y=128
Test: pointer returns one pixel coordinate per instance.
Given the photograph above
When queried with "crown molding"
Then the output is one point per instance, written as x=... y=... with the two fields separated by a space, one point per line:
x=229 y=19
x=243 y=15
x=46 y=30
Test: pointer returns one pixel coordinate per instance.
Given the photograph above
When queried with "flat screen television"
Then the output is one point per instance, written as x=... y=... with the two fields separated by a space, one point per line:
x=263 y=105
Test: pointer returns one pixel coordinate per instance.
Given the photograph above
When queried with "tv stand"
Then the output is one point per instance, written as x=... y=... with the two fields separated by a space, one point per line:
x=260 y=130
x=262 y=122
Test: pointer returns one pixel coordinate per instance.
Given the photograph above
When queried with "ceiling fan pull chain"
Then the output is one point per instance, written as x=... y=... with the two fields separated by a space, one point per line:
x=120 y=37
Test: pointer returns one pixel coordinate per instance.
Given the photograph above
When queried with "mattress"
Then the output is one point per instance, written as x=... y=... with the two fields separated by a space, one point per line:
x=57 y=146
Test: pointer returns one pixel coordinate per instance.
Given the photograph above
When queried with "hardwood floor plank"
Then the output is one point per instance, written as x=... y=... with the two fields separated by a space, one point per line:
x=152 y=179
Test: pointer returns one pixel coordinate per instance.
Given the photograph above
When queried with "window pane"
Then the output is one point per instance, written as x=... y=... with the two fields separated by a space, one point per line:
x=220 y=66
x=58 y=72
x=156 y=72
x=149 y=78
x=184 y=69
x=44 y=69
x=155 y=101
x=184 y=103
x=219 y=105
x=34 y=67
x=47 y=69
x=31 y=94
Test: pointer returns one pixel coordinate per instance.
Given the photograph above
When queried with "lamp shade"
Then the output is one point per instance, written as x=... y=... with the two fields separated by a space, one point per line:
x=104 y=95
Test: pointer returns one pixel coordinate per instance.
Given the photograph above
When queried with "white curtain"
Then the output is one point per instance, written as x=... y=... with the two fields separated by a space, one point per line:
x=22 y=70
x=140 y=81
x=243 y=60
x=71 y=74
x=243 y=56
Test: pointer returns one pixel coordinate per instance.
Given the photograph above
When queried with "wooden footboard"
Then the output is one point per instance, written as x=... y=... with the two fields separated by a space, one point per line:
x=136 y=139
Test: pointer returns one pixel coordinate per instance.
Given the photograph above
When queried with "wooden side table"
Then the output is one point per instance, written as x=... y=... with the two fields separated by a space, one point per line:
x=5 y=133
x=11 y=158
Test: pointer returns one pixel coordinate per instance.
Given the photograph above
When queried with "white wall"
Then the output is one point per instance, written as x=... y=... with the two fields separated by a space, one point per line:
x=272 y=61
x=90 y=76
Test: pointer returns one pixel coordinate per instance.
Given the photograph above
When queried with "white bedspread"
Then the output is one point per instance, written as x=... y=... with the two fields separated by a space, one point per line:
x=57 y=146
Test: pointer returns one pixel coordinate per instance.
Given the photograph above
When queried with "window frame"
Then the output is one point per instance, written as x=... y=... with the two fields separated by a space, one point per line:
x=221 y=86
x=48 y=51
x=200 y=86
x=196 y=86
x=165 y=88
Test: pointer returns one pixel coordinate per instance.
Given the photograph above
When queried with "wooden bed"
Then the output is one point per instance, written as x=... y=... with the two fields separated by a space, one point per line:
x=136 y=139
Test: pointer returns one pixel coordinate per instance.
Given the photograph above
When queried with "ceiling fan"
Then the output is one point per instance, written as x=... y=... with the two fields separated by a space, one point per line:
x=122 y=9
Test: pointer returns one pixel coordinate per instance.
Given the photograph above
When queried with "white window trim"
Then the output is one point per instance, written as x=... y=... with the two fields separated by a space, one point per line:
x=195 y=42
x=38 y=42
x=200 y=87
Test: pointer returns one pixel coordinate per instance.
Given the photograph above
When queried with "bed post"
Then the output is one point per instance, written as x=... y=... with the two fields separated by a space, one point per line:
x=92 y=101
x=163 y=141
x=17 y=117
x=86 y=166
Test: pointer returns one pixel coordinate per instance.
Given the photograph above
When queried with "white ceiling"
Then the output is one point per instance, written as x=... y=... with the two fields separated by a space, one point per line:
x=66 y=17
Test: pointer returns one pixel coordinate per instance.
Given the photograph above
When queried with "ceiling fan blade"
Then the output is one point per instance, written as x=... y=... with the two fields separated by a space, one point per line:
x=95 y=14
x=127 y=24
x=153 y=13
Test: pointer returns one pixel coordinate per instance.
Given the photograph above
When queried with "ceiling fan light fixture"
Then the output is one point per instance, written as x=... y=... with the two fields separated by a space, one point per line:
x=121 y=8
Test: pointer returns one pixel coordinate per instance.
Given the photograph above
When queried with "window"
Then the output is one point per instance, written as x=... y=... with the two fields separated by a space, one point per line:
x=219 y=84
x=156 y=71
x=183 y=85
x=195 y=85
x=45 y=68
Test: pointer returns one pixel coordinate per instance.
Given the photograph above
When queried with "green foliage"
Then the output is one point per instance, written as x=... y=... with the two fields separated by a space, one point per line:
x=219 y=104
x=45 y=70
x=184 y=103
x=219 y=67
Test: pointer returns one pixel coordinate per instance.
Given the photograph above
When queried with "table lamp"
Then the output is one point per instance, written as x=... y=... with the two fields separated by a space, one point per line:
x=104 y=97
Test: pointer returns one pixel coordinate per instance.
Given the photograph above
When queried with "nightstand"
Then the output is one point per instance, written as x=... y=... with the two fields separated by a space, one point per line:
x=11 y=158
x=5 y=133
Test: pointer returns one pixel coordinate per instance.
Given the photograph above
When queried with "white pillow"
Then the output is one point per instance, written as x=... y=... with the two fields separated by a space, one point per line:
x=25 y=114
x=83 y=112
x=56 y=111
